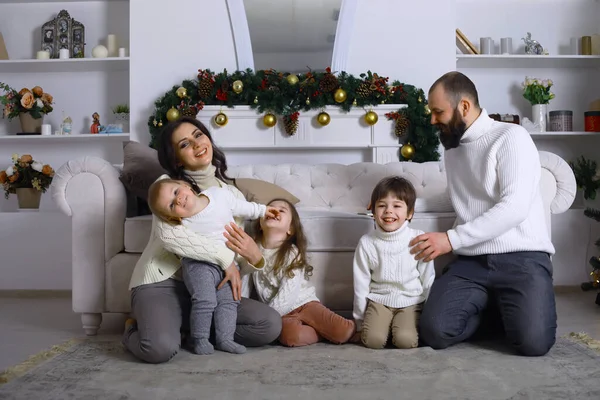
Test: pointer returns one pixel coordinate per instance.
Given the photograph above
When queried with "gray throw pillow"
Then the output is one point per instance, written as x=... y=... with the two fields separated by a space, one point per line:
x=140 y=168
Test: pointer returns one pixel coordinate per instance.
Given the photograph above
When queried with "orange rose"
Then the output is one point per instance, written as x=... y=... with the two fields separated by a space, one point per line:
x=47 y=98
x=27 y=101
x=47 y=170
x=13 y=178
x=23 y=91
x=26 y=158
x=37 y=91
x=3 y=176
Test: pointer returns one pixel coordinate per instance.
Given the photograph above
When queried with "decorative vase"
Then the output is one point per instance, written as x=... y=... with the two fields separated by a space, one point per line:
x=540 y=116
x=31 y=125
x=122 y=119
x=28 y=198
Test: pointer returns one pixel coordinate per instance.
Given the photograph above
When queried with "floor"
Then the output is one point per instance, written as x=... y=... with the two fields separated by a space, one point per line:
x=30 y=325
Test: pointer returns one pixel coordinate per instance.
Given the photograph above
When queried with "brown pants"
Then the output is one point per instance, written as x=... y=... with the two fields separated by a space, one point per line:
x=381 y=320
x=313 y=322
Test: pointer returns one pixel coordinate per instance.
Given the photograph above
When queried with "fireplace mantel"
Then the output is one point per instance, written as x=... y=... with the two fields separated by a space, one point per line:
x=246 y=132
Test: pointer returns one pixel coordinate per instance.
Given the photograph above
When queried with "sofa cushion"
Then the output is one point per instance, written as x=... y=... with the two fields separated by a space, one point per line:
x=263 y=192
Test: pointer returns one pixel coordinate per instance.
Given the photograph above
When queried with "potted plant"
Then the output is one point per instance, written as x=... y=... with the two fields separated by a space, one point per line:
x=121 y=112
x=30 y=105
x=26 y=178
x=538 y=93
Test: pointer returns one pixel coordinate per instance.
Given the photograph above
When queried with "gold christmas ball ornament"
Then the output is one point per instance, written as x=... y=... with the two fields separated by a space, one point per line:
x=371 y=118
x=292 y=79
x=173 y=114
x=221 y=119
x=323 y=119
x=237 y=86
x=181 y=92
x=354 y=103
x=159 y=124
x=420 y=99
x=407 y=151
x=256 y=100
x=307 y=101
x=269 y=120
x=427 y=110
x=340 y=95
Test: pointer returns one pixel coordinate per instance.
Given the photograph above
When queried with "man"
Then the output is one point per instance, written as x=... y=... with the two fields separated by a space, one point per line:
x=500 y=235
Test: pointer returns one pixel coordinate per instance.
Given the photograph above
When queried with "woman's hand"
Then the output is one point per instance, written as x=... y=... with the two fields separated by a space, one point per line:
x=233 y=275
x=241 y=243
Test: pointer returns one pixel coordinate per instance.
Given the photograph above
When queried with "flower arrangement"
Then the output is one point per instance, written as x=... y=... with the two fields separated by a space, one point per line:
x=33 y=101
x=25 y=172
x=537 y=91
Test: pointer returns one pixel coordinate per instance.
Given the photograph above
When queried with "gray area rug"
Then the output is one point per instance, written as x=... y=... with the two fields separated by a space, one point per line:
x=101 y=369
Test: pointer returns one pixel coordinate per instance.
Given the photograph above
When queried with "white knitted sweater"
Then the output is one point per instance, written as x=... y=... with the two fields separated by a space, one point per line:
x=386 y=273
x=494 y=184
x=279 y=291
x=159 y=260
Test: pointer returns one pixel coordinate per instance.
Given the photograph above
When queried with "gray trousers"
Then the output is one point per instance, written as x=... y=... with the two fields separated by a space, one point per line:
x=162 y=310
x=201 y=280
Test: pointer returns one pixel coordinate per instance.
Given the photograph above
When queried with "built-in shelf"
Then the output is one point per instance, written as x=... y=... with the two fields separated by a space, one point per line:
x=49 y=1
x=68 y=65
x=62 y=139
x=554 y=135
x=525 y=61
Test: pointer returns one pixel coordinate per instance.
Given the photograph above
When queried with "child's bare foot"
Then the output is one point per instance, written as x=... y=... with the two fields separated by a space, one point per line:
x=355 y=338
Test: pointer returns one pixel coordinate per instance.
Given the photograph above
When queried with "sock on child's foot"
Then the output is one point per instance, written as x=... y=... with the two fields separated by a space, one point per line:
x=203 y=347
x=231 y=347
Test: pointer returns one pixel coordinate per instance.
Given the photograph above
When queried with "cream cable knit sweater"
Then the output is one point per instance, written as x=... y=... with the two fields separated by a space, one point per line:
x=282 y=293
x=494 y=184
x=159 y=261
x=386 y=273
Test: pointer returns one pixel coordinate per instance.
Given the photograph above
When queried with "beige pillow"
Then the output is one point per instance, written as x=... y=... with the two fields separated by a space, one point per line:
x=263 y=192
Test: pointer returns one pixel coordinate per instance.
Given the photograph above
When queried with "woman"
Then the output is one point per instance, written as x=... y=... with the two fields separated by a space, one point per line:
x=160 y=302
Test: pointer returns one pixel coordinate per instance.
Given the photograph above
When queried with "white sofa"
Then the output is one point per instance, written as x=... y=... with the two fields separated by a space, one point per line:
x=106 y=244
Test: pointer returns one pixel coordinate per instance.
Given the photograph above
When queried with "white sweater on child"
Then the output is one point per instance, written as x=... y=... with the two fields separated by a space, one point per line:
x=386 y=273
x=282 y=293
x=222 y=207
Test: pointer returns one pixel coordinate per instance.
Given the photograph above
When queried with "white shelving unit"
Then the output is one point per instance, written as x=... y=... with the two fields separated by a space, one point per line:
x=562 y=135
x=525 y=61
x=69 y=65
x=62 y=139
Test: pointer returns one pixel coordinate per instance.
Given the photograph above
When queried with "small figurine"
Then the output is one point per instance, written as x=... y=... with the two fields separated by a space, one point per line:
x=95 y=128
x=66 y=126
x=532 y=46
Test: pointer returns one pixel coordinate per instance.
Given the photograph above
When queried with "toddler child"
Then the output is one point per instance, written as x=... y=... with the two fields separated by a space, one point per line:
x=390 y=286
x=205 y=213
x=283 y=282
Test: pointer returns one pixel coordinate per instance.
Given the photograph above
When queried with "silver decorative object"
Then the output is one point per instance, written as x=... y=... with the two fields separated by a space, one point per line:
x=532 y=46
x=63 y=32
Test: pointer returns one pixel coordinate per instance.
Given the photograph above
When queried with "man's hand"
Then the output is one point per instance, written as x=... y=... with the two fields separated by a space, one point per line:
x=430 y=246
x=271 y=212
x=233 y=275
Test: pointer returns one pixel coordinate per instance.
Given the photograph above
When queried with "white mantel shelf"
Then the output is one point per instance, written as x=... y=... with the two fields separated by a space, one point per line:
x=557 y=135
x=525 y=61
x=68 y=65
x=62 y=139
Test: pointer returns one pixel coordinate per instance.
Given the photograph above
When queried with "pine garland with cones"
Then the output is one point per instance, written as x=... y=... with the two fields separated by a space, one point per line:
x=287 y=95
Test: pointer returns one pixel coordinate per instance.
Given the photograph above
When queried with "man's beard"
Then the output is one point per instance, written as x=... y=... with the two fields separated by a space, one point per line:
x=451 y=133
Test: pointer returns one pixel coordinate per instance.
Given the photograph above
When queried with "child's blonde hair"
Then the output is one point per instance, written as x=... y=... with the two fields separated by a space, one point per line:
x=296 y=238
x=153 y=194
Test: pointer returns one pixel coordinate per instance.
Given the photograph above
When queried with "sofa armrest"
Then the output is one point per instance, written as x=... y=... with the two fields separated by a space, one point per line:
x=88 y=190
x=566 y=186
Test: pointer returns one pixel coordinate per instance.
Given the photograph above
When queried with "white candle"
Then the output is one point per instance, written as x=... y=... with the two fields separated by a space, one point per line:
x=121 y=51
x=111 y=44
x=63 y=54
x=43 y=55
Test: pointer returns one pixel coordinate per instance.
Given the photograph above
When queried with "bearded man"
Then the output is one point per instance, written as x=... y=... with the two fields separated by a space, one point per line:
x=503 y=271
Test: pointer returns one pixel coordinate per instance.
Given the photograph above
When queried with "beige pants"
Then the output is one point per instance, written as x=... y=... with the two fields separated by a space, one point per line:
x=380 y=321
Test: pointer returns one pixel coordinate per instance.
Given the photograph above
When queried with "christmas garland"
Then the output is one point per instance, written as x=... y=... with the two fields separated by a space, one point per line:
x=285 y=94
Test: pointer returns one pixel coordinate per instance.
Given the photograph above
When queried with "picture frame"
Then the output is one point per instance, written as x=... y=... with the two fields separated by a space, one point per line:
x=63 y=32
x=464 y=44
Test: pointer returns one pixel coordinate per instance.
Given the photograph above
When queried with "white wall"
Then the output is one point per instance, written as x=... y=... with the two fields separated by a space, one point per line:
x=170 y=42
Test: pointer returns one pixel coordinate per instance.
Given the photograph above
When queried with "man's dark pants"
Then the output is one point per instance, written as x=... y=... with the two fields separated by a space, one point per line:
x=520 y=286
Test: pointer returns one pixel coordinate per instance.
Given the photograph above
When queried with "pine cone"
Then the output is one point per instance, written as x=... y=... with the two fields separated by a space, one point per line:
x=401 y=126
x=205 y=87
x=329 y=83
x=364 y=90
x=189 y=112
x=291 y=125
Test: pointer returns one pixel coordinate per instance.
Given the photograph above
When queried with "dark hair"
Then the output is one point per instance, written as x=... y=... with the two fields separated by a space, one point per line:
x=168 y=160
x=297 y=238
x=457 y=85
x=397 y=186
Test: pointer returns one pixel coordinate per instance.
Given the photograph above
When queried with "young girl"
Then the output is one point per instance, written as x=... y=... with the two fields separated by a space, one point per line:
x=205 y=213
x=283 y=282
x=390 y=286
